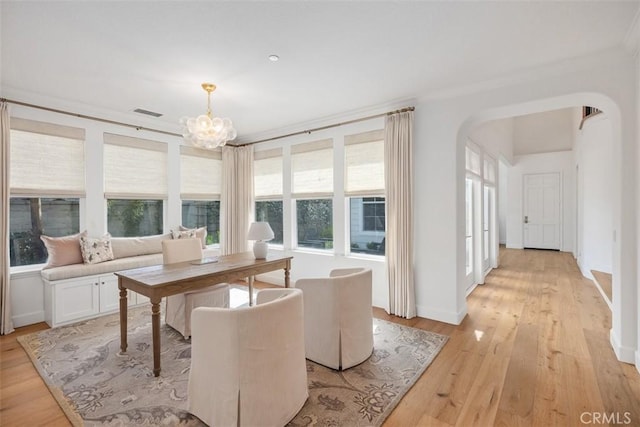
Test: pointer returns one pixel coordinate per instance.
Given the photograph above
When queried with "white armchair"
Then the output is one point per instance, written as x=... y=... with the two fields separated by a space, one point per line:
x=338 y=318
x=179 y=307
x=247 y=364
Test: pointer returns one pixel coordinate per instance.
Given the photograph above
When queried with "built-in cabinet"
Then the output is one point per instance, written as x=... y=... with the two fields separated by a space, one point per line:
x=80 y=298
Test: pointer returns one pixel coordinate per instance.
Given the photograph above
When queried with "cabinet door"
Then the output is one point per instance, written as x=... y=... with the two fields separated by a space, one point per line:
x=109 y=294
x=76 y=299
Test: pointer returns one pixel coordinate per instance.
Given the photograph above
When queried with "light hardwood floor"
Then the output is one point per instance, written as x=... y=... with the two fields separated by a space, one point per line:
x=533 y=351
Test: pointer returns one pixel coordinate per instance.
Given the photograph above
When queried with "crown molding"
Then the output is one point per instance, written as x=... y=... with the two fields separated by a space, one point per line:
x=530 y=74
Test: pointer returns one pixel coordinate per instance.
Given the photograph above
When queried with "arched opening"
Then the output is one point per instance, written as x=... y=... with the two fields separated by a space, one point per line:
x=577 y=234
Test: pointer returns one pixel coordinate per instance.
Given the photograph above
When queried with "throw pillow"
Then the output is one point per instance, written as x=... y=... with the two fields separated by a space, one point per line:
x=63 y=250
x=201 y=233
x=187 y=234
x=96 y=250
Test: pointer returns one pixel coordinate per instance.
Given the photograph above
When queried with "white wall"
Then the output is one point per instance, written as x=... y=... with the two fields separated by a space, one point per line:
x=594 y=157
x=560 y=162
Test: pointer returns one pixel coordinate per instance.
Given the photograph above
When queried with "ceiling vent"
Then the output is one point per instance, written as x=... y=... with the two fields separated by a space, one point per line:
x=147 y=112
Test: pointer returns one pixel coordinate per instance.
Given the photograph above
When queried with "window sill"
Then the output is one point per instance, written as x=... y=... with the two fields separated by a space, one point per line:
x=25 y=270
x=325 y=252
x=377 y=258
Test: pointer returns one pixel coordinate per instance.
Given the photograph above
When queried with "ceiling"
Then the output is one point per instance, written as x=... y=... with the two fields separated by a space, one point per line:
x=109 y=58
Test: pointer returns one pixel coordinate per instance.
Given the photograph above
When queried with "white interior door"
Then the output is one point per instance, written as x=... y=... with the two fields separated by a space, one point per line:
x=542 y=211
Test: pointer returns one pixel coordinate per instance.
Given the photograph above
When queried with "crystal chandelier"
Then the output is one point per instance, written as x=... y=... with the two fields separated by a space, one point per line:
x=205 y=131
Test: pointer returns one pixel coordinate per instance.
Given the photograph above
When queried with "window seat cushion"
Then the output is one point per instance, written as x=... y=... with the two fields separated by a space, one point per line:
x=118 y=264
x=79 y=270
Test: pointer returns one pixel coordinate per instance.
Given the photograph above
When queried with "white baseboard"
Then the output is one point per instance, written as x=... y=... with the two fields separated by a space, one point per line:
x=28 y=319
x=624 y=354
x=441 y=315
x=638 y=361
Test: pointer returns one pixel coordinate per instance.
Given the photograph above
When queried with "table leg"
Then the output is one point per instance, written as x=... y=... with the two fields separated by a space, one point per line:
x=123 y=316
x=287 y=280
x=250 y=290
x=155 y=329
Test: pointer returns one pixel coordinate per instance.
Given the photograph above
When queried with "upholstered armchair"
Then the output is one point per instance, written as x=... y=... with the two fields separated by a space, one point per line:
x=247 y=364
x=179 y=307
x=338 y=318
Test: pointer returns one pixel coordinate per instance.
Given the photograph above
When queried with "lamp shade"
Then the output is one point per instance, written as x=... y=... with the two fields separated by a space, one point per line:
x=260 y=231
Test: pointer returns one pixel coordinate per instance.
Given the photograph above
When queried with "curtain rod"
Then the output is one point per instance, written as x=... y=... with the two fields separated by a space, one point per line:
x=361 y=119
x=113 y=122
x=83 y=116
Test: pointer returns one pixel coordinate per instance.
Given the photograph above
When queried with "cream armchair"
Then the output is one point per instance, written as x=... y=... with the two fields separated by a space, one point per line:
x=179 y=307
x=338 y=318
x=247 y=364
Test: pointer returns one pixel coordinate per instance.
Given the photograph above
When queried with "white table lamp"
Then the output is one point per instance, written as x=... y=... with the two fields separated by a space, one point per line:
x=260 y=232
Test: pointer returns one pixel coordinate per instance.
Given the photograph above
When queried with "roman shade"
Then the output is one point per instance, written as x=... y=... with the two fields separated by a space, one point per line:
x=312 y=169
x=134 y=168
x=364 y=164
x=46 y=159
x=200 y=173
x=267 y=173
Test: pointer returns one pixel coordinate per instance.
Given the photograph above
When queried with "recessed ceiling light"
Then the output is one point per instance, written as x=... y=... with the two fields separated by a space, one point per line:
x=273 y=58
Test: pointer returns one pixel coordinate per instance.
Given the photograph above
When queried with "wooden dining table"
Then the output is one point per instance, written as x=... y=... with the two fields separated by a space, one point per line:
x=158 y=281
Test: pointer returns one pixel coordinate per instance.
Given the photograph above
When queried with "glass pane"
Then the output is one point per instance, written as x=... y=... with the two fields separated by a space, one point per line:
x=469 y=255
x=367 y=225
x=203 y=213
x=32 y=217
x=469 y=207
x=130 y=218
x=315 y=223
x=271 y=212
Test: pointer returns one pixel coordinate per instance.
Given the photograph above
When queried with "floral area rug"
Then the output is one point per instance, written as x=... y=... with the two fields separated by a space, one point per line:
x=97 y=385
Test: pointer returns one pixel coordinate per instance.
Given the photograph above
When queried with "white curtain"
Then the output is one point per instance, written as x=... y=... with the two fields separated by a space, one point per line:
x=6 y=323
x=236 y=200
x=399 y=208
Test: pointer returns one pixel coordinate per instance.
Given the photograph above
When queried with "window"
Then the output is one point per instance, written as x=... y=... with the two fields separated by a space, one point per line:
x=200 y=186
x=271 y=212
x=203 y=213
x=267 y=173
x=47 y=182
x=472 y=161
x=32 y=217
x=364 y=184
x=373 y=214
x=135 y=181
x=367 y=225
x=312 y=185
x=130 y=218
x=315 y=223
x=469 y=225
